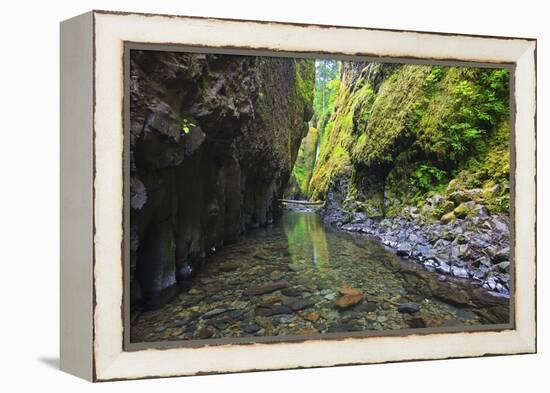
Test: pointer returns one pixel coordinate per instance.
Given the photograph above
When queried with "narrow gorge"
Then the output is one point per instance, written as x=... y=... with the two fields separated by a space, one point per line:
x=409 y=166
x=210 y=157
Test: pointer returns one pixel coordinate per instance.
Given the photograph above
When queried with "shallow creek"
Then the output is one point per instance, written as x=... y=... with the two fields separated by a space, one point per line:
x=298 y=276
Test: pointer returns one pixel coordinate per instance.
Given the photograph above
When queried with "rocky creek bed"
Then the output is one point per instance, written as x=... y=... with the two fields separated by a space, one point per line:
x=475 y=247
x=300 y=276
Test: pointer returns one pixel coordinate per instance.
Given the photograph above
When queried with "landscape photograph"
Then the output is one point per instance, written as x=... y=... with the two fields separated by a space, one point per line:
x=284 y=197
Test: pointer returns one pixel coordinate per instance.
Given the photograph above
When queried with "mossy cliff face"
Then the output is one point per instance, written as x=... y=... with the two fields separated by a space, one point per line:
x=427 y=137
x=298 y=186
x=213 y=139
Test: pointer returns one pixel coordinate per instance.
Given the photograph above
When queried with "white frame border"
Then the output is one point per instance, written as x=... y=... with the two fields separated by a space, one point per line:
x=111 y=30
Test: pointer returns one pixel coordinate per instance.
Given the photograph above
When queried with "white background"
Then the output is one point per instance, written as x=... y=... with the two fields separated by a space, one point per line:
x=29 y=197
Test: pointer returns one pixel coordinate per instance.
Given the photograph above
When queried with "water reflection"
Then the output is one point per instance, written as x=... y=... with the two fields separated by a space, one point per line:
x=307 y=242
x=312 y=263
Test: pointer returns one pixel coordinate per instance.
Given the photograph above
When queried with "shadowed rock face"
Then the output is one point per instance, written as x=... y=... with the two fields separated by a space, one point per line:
x=212 y=141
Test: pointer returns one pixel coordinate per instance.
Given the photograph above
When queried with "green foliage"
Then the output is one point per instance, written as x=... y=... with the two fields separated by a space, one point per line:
x=427 y=177
x=305 y=162
x=435 y=74
x=423 y=127
x=186 y=126
x=327 y=84
x=462 y=111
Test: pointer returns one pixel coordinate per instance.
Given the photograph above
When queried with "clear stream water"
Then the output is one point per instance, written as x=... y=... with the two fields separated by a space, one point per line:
x=302 y=265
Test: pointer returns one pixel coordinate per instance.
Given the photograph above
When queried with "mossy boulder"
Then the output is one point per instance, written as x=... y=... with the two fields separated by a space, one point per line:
x=448 y=217
x=465 y=209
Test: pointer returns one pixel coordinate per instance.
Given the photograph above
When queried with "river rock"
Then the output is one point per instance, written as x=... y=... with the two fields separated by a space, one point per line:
x=503 y=266
x=465 y=209
x=330 y=296
x=416 y=323
x=205 y=333
x=221 y=324
x=459 y=271
x=448 y=217
x=298 y=303
x=350 y=297
x=214 y=312
x=343 y=327
x=229 y=266
x=408 y=308
x=291 y=291
x=266 y=288
x=365 y=307
x=312 y=316
x=404 y=248
x=502 y=254
x=267 y=310
x=251 y=328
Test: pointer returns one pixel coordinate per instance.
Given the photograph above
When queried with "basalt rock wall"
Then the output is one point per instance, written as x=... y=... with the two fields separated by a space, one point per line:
x=212 y=141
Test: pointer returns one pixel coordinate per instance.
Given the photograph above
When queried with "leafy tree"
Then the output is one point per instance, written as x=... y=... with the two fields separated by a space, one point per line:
x=326 y=86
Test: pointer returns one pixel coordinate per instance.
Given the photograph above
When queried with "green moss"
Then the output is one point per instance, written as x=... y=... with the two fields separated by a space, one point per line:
x=333 y=159
x=424 y=128
x=304 y=164
x=282 y=107
x=305 y=80
x=397 y=99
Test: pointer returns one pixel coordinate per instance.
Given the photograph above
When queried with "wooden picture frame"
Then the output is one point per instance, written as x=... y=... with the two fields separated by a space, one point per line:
x=94 y=182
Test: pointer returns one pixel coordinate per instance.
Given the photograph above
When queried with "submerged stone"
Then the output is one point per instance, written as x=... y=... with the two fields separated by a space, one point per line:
x=266 y=288
x=408 y=308
x=252 y=328
x=205 y=333
x=347 y=301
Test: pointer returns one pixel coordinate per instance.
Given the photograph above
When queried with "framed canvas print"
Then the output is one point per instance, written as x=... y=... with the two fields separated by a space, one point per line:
x=245 y=195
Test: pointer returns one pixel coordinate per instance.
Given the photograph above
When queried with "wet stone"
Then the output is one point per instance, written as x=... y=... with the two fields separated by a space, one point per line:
x=365 y=307
x=214 y=312
x=452 y=323
x=235 y=315
x=178 y=323
x=292 y=292
x=298 y=303
x=285 y=319
x=205 y=333
x=251 y=329
x=266 y=288
x=408 y=308
x=269 y=310
x=312 y=316
x=330 y=296
x=220 y=324
x=416 y=323
x=343 y=327
x=347 y=301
